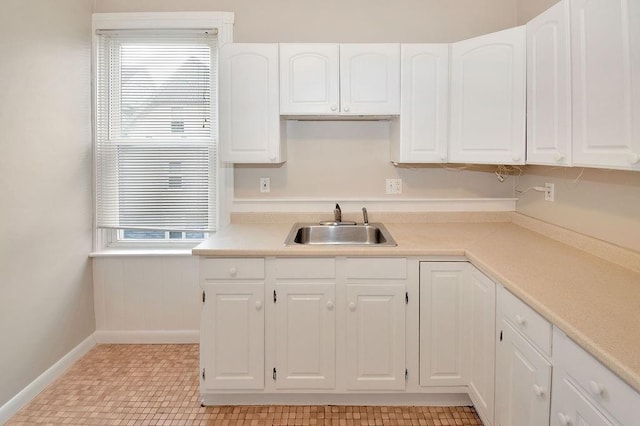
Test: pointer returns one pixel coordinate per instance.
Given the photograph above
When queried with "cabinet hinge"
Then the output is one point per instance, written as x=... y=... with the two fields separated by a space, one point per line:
x=203 y=374
x=275 y=299
x=204 y=296
x=406 y=297
x=501 y=335
x=274 y=373
x=406 y=374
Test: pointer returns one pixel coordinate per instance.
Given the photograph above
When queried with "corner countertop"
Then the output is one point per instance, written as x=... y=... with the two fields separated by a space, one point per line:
x=594 y=301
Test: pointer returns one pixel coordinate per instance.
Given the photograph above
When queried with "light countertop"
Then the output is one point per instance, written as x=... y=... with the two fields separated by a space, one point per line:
x=594 y=301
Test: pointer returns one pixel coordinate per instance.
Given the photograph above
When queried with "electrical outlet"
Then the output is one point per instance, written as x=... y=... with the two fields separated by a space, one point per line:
x=265 y=184
x=394 y=186
x=550 y=193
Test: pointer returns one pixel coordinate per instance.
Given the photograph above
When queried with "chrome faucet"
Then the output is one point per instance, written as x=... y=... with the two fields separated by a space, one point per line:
x=365 y=216
x=337 y=214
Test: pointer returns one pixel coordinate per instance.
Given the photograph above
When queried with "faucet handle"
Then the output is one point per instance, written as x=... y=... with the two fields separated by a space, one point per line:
x=365 y=216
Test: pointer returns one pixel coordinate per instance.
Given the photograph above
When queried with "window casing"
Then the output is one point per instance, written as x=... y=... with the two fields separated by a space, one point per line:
x=158 y=180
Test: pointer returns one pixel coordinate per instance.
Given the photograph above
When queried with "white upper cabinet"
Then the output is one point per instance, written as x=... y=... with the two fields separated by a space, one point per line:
x=420 y=134
x=339 y=79
x=309 y=79
x=250 y=127
x=488 y=99
x=549 y=87
x=370 y=79
x=605 y=46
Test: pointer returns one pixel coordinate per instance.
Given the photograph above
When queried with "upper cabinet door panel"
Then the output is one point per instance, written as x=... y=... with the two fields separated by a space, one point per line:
x=370 y=79
x=249 y=103
x=605 y=43
x=309 y=79
x=424 y=104
x=549 y=87
x=488 y=99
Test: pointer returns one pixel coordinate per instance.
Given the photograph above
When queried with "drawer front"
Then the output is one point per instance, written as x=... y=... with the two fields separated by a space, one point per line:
x=377 y=268
x=305 y=268
x=524 y=319
x=609 y=393
x=232 y=269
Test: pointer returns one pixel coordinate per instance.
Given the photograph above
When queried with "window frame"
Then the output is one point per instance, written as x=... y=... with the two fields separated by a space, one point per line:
x=220 y=21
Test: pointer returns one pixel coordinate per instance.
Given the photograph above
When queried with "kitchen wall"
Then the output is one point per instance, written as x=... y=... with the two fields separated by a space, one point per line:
x=350 y=159
x=46 y=298
x=601 y=203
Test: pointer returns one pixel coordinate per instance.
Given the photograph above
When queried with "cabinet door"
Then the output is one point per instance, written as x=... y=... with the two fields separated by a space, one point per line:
x=444 y=323
x=488 y=99
x=424 y=105
x=482 y=323
x=309 y=79
x=232 y=336
x=375 y=332
x=370 y=79
x=523 y=380
x=549 y=87
x=305 y=336
x=571 y=408
x=605 y=46
x=249 y=104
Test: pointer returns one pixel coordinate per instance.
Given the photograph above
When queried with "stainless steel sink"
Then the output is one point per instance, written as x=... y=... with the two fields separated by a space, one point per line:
x=373 y=234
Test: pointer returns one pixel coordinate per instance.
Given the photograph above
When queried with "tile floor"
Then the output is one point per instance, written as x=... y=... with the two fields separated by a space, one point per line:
x=158 y=385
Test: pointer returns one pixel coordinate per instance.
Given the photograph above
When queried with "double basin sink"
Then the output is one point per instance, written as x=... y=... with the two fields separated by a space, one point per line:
x=339 y=233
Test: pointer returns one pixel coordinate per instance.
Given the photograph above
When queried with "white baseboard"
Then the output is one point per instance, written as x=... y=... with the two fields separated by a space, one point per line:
x=147 y=336
x=23 y=397
x=393 y=399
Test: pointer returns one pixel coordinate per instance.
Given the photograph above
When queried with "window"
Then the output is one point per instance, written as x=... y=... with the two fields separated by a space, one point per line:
x=156 y=167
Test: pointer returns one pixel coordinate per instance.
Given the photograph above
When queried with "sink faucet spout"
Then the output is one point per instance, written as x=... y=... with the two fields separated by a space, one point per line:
x=337 y=213
x=365 y=216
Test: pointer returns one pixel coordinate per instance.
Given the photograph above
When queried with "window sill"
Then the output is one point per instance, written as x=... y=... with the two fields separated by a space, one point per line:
x=141 y=252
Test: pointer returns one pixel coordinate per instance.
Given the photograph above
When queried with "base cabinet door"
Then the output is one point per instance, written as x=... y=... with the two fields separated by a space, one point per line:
x=233 y=336
x=481 y=341
x=375 y=333
x=443 y=324
x=305 y=336
x=571 y=408
x=523 y=382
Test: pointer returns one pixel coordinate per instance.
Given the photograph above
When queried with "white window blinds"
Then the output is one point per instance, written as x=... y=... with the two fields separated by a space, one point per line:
x=156 y=130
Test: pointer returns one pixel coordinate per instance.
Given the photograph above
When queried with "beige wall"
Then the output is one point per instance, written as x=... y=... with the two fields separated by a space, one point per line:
x=527 y=9
x=46 y=302
x=328 y=159
x=602 y=203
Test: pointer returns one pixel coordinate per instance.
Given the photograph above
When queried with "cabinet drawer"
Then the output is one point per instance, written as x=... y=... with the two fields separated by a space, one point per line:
x=525 y=320
x=377 y=268
x=609 y=393
x=305 y=268
x=232 y=269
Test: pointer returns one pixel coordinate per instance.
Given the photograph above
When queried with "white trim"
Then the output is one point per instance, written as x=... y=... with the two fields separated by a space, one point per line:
x=394 y=399
x=142 y=252
x=23 y=397
x=306 y=205
x=147 y=336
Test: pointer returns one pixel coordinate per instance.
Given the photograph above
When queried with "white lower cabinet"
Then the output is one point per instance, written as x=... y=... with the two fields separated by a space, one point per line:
x=571 y=407
x=586 y=392
x=444 y=324
x=375 y=332
x=481 y=343
x=523 y=373
x=232 y=337
x=523 y=382
x=305 y=332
